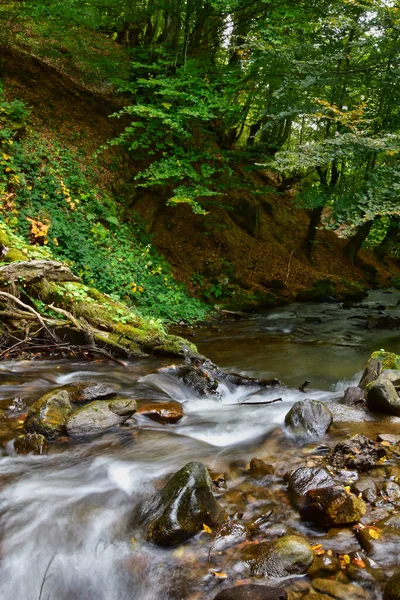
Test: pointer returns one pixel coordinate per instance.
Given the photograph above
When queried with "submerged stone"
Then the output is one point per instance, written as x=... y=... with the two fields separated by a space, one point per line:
x=100 y=415
x=259 y=469
x=182 y=507
x=48 y=416
x=288 y=555
x=229 y=534
x=382 y=397
x=252 y=592
x=309 y=418
x=31 y=443
x=338 y=590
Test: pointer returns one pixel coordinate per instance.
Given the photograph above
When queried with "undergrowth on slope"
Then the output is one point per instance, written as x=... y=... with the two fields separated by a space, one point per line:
x=47 y=198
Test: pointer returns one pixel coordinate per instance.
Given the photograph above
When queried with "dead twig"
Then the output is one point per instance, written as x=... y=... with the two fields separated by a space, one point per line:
x=288 y=267
x=255 y=403
x=29 y=309
x=45 y=577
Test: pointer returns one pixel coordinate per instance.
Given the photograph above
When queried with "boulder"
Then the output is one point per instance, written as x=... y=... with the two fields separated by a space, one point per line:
x=392 y=588
x=31 y=443
x=161 y=412
x=332 y=506
x=252 y=592
x=288 y=555
x=182 y=507
x=87 y=391
x=389 y=438
x=366 y=488
x=304 y=479
x=359 y=453
x=371 y=372
x=354 y=396
x=382 y=397
x=309 y=418
x=392 y=375
x=100 y=415
x=48 y=416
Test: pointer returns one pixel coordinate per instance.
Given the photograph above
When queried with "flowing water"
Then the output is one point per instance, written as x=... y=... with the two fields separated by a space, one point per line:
x=69 y=519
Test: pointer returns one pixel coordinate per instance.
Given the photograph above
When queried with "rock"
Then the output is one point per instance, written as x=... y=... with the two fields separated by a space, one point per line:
x=180 y=509
x=382 y=397
x=252 y=592
x=359 y=452
x=100 y=415
x=371 y=372
x=392 y=588
x=367 y=488
x=198 y=379
x=31 y=443
x=339 y=591
x=381 y=544
x=229 y=534
x=389 y=438
x=349 y=414
x=304 y=479
x=392 y=375
x=161 y=412
x=288 y=555
x=309 y=418
x=391 y=491
x=17 y=406
x=383 y=322
x=49 y=415
x=332 y=506
x=259 y=469
x=354 y=396
x=87 y=391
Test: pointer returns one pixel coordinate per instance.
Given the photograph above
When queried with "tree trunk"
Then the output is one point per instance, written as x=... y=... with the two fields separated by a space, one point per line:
x=354 y=244
x=391 y=238
x=312 y=229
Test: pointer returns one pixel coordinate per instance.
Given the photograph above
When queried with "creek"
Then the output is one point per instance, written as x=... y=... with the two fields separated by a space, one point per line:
x=69 y=527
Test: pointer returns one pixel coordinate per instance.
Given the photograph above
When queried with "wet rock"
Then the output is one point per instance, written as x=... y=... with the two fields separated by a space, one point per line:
x=309 y=418
x=339 y=591
x=259 y=469
x=332 y=506
x=347 y=477
x=161 y=412
x=365 y=487
x=31 y=443
x=304 y=479
x=392 y=588
x=383 y=322
x=359 y=453
x=288 y=555
x=389 y=438
x=391 y=491
x=348 y=414
x=229 y=534
x=87 y=391
x=100 y=415
x=371 y=372
x=252 y=592
x=48 y=416
x=179 y=511
x=198 y=379
x=392 y=521
x=354 y=396
x=382 y=397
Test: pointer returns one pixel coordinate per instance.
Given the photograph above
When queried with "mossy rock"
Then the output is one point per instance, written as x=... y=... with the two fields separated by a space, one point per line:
x=100 y=416
x=392 y=588
x=379 y=361
x=48 y=416
x=14 y=254
x=31 y=443
x=323 y=290
x=288 y=555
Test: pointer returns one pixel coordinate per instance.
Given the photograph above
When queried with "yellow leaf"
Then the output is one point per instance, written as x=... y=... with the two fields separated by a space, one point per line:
x=373 y=533
x=220 y=574
x=206 y=528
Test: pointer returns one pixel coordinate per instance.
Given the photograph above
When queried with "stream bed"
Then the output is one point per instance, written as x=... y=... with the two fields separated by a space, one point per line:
x=68 y=520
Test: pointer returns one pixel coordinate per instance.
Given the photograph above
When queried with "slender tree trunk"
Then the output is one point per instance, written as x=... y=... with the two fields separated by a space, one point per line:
x=354 y=244
x=312 y=229
x=391 y=238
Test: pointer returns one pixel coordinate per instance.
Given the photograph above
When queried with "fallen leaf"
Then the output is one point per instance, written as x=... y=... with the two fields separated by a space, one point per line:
x=206 y=528
x=358 y=563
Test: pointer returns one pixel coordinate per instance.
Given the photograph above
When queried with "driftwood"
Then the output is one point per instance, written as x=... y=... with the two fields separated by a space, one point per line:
x=30 y=271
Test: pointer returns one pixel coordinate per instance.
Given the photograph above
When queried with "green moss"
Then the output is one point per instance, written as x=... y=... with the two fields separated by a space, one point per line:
x=14 y=254
x=389 y=360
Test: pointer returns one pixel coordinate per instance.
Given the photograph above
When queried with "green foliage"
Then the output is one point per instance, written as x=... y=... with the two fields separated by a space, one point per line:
x=46 y=197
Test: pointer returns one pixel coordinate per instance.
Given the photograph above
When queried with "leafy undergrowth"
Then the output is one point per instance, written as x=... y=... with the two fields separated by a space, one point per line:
x=46 y=198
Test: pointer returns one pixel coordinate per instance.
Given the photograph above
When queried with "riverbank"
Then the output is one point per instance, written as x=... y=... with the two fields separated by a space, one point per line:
x=87 y=492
